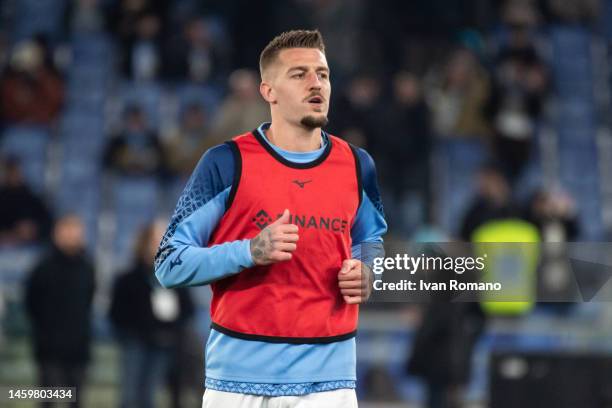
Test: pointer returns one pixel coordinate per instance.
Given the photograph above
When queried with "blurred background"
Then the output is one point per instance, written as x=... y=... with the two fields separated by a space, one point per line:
x=474 y=111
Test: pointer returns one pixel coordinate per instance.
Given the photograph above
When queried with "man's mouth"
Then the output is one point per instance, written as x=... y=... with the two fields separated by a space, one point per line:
x=315 y=100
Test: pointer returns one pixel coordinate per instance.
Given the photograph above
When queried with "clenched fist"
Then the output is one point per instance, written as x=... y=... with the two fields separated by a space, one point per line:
x=276 y=242
x=355 y=281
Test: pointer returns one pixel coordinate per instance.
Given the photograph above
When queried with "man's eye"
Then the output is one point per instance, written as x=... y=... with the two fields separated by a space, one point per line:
x=298 y=76
x=323 y=76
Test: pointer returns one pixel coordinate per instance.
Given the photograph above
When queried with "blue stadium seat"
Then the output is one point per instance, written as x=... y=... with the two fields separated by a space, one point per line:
x=92 y=49
x=605 y=21
x=572 y=66
x=458 y=161
x=134 y=200
x=147 y=96
x=38 y=16
x=190 y=93
x=574 y=117
x=576 y=124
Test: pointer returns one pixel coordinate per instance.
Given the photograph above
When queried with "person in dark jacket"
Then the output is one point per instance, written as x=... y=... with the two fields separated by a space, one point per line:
x=406 y=144
x=493 y=201
x=135 y=151
x=148 y=321
x=444 y=343
x=24 y=218
x=59 y=295
x=555 y=215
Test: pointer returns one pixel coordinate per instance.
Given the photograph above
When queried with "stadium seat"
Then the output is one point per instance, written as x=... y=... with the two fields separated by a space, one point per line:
x=457 y=163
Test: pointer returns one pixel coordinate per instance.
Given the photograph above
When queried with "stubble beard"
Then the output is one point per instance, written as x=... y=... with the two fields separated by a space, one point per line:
x=312 y=122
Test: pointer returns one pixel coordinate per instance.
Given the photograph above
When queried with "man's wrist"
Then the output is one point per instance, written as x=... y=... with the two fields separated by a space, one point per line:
x=369 y=277
x=247 y=254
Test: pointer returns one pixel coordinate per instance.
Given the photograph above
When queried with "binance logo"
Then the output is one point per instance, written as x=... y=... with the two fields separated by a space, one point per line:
x=334 y=224
x=262 y=219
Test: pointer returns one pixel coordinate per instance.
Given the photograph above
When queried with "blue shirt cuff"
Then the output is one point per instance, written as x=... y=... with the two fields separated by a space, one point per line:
x=246 y=257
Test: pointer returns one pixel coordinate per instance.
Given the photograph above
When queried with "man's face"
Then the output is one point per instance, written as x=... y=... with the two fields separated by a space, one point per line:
x=297 y=85
x=69 y=234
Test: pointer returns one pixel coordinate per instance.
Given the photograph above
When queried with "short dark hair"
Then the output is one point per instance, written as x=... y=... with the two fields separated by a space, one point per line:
x=290 y=39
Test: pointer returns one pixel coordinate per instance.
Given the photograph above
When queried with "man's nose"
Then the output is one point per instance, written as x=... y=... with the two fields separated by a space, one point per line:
x=315 y=81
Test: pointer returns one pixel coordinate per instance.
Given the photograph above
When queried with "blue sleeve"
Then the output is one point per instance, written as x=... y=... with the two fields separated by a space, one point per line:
x=370 y=224
x=183 y=258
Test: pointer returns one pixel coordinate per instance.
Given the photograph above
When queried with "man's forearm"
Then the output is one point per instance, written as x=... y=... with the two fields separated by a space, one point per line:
x=193 y=266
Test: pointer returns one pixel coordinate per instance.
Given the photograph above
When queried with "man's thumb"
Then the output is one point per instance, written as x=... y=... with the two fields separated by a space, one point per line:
x=284 y=219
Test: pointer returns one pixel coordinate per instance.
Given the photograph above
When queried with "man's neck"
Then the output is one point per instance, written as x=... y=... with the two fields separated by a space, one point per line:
x=293 y=138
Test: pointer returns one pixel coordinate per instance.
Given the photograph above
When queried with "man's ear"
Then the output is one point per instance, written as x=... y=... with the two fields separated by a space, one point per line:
x=267 y=92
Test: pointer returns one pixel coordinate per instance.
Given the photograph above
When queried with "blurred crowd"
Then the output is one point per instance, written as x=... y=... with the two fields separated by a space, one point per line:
x=181 y=76
x=152 y=325
x=476 y=72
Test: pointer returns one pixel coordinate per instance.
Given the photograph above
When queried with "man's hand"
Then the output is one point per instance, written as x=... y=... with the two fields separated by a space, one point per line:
x=355 y=281
x=276 y=242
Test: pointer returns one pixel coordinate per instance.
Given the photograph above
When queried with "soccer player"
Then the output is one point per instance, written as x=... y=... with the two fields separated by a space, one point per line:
x=278 y=221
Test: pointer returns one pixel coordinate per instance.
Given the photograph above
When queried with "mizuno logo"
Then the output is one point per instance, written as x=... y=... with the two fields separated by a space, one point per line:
x=177 y=261
x=301 y=184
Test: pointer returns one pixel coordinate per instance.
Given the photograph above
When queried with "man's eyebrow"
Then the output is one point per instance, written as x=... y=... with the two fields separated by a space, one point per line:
x=305 y=68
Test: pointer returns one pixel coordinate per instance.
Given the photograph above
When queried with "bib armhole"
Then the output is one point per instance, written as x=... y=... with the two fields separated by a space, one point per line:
x=237 y=173
x=357 y=174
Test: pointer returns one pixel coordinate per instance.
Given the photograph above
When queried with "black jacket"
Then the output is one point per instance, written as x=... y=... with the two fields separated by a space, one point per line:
x=59 y=294
x=445 y=342
x=19 y=204
x=482 y=211
x=131 y=311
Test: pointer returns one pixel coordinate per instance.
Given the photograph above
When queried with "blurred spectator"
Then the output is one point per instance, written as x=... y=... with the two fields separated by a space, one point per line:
x=138 y=25
x=43 y=42
x=338 y=20
x=58 y=298
x=85 y=16
x=356 y=114
x=493 y=201
x=243 y=108
x=186 y=146
x=520 y=88
x=122 y=15
x=142 y=51
x=380 y=386
x=554 y=213
x=136 y=150
x=185 y=375
x=457 y=96
x=562 y=11
x=194 y=53
x=445 y=340
x=24 y=218
x=522 y=13
x=3 y=48
x=404 y=154
x=149 y=322
x=443 y=348
x=30 y=91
